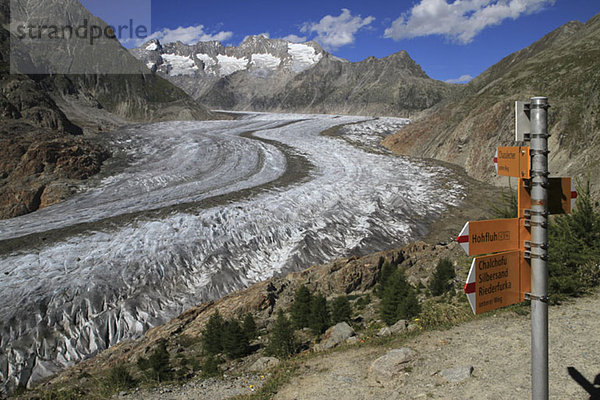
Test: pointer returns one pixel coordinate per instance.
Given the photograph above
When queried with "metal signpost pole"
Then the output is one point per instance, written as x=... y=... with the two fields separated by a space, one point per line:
x=539 y=247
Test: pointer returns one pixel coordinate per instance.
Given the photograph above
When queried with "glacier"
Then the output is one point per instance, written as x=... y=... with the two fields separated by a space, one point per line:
x=186 y=212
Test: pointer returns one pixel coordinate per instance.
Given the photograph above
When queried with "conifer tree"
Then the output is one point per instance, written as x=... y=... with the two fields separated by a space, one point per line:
x=574 y=243
x=212 y=334
x=319 y=315
x=387 y=269
x=282 y=342
x=249 y=327
x=341 y=311
x=158 y=363
x=399 y=299
x=300 y=311
x=440 y=281
x=234 y=340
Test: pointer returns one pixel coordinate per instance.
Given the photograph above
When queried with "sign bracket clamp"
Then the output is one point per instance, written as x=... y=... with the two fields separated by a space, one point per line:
x=533 y=297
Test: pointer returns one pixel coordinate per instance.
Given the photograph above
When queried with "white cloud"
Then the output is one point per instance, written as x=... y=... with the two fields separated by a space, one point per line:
x=295 y=38
x=461 y=79
x=333 y=32
x=188 y=35
x=460 y=20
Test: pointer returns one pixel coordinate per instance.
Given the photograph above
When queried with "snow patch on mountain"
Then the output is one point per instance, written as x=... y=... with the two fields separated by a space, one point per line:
x=152 y=46
x=206 y=59
x=179 y=65
x=228 y=65
x=303 y=56
x=267 y=61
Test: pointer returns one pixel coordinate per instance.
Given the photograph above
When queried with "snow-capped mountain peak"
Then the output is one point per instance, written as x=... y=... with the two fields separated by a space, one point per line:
x=213 y=59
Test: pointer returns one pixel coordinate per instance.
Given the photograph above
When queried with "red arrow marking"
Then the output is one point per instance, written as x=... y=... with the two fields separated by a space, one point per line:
x=469 y=288
x=462 y=239
x=573 y=195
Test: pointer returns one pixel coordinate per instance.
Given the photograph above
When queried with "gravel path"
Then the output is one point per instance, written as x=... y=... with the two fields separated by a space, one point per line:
x=498 y=347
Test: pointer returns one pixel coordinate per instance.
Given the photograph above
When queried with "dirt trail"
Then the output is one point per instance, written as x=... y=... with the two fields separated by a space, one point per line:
x=498 y=347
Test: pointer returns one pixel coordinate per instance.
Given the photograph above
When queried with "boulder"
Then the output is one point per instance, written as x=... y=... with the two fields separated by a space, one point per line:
x=263 y=364
x=395 y=329
x=457 y=374
x=335 y=335
x=391 y=366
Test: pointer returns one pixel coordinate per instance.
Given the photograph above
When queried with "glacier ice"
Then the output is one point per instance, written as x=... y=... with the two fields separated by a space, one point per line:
x=225 y=218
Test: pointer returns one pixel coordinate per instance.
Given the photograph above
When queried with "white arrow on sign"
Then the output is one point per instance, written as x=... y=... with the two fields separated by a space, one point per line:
x=463 y=238
x=573 y=194
x=496 y=161
x=470 y=288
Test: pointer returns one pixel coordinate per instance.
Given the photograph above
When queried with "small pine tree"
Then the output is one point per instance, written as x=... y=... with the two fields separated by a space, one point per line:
x=574 y=242
x=341 y=311
x=387 y=269
x=440 y=282
x=212 y=334
x=319 y=315
x=282 y=342
x=210 y=367
x=399 y=299
x=119 y=378
x=158 y=363
x=234 y=340
x=249 y=327
x=300 y=311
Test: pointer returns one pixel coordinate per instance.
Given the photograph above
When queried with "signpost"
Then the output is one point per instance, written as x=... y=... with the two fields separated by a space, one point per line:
x=511 y=253
x=562 y=196
x=494 y=281
x=489 y=236
x=513 y=161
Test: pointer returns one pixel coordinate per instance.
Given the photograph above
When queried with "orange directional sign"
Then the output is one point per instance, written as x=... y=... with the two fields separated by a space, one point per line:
x=490 y=236
x=513 y=161
x=497 y=280
x=561 y=196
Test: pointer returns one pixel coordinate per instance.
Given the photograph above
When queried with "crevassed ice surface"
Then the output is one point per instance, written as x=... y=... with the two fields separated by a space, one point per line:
x=71 y=297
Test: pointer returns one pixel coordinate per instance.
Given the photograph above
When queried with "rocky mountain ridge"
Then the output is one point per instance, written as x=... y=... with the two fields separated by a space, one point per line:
x=265 y=74
x=562 y=66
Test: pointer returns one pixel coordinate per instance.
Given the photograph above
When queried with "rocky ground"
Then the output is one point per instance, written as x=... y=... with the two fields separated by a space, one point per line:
x=487 y=358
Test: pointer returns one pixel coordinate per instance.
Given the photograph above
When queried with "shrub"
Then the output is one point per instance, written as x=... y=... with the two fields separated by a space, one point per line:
x=210 y=367
x=440 y=282
x=119 y=378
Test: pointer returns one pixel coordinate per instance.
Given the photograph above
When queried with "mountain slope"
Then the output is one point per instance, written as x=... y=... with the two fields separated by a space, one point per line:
x=562 y=66
x=275 y=75
x=394 y=85
x=43 y=155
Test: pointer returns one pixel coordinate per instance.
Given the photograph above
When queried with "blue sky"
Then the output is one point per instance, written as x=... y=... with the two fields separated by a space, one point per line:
x=449 y=39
